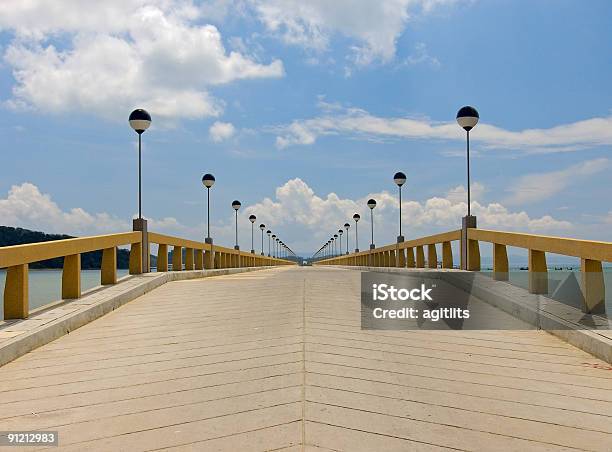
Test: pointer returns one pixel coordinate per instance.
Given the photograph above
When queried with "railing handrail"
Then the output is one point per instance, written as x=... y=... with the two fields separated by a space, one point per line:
x=441 y=237
x=162 y=239
x=34 y=252
x=585 y=249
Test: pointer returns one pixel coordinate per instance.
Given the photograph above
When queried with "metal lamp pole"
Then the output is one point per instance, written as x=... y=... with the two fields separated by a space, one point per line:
x=262 y=227
x=252 y=219
x=236 y=205
x=347 y=226
x=467 y=118
x=356 y=217
x=400 y=179
x=372 y=205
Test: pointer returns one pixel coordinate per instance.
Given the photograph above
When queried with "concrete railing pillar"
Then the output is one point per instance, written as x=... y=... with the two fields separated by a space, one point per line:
x=432 y=256
x=162 y=258
x=447 y=255
x=500 y=262
x=16 y=297
x=199 y=259
x=136 y=259
x=538 y=272
x=71 y=276
x=593 y=287
x=189 y=259
x=420 y=257
x=108 y=268
x=140 y=224
x=177 y=258
x=467 y=222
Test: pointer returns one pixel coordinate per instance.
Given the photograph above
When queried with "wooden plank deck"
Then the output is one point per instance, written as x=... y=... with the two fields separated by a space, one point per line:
x=276 y=360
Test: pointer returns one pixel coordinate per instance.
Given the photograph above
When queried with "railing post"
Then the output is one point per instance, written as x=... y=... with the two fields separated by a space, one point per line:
x=500 y=262
x=432 y=256
x=136 y=258
x=391 y=259
x=189 y=259
x=177 y=258
x=140 y=224
x=401 y=258
x=410 y=263
x=71 y=277
x=108 y=269
x=420 y=257
x=199 y=259
x=447 y=255
x=593 y=288
x=538 y=272
x=162 y=258
x=16 y=297
x=467 y=222
x=209 y=259
x=473 y=255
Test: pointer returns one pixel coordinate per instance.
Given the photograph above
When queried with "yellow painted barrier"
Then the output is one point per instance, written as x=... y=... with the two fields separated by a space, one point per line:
x=591 y=254
x=198 y=255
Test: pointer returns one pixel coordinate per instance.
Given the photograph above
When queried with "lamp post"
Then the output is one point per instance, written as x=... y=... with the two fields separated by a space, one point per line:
x=277 y=247
x=262 y=227
x=356 y=217
x=140 y=120
x=236 y=205
x=340 y=232
x=335 y=244
x=208 y=180
x=467 y=118
x=371 y=205
x=347 y=226
x=252 y=219
x=268 y=232
x=400 y=179
x=273 y=245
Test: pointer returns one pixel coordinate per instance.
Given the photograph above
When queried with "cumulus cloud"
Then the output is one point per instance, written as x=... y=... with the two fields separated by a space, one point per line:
x=356 y=122
x=27 y=207
x=150 y=54
x=536 y=187
x=309 y=219
x=301 y=217
x=374 y=25
x=221 y=131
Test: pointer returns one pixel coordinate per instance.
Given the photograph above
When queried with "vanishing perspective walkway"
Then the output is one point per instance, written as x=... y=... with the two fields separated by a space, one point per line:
x=276 y=360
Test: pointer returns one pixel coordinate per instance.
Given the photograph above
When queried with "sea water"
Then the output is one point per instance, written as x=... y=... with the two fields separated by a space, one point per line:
x=46 y=285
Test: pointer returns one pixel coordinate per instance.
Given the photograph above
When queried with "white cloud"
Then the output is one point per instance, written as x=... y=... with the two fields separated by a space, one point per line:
x=355 y=122
x=120 y=55
x=309 y=219
x=27 y=207
x=374 y=25
x=421 y=56
x=536 y=187
x=459 y=193
x=221 y=131
x=302 y=218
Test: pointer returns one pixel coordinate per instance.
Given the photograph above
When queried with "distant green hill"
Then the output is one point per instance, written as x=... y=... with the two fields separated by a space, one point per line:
x=18 y=236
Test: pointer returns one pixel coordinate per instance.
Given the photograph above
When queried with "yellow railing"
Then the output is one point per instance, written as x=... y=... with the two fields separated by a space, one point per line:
x=409 y=254
x=198 y=256
x=591 y=254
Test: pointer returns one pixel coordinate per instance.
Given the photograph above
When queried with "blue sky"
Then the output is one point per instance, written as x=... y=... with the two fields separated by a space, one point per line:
x=302 y=112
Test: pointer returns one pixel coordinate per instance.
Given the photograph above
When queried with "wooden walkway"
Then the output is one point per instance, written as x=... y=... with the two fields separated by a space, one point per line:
x=276 y=360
